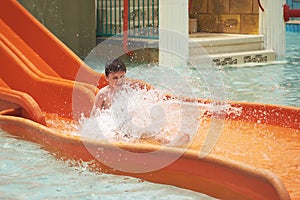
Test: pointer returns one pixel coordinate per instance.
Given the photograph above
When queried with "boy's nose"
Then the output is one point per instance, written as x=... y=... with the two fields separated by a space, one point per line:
x=120 y=80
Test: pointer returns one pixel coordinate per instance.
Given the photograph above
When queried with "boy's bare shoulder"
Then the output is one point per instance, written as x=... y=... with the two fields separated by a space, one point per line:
x=103 y=91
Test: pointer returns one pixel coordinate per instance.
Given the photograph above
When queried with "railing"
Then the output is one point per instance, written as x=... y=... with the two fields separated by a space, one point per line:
x=294 y=4
x=142 y=18
x=291 y=12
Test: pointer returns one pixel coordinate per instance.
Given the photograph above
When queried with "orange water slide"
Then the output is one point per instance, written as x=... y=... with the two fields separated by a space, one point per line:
x=51 y=95
x=46 y=49
x=18 y=103
x=37 y=73
x=43 y=62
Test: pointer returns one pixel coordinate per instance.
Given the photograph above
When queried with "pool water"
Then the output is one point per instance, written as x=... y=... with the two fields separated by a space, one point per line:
x=29 y=172
x=272 y=83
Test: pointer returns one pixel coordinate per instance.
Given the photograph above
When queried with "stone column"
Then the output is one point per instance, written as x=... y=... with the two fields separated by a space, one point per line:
x=173 y=32
x=272 y=26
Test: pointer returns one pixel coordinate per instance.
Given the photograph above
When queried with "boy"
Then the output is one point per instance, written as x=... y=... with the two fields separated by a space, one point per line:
x=115 y=71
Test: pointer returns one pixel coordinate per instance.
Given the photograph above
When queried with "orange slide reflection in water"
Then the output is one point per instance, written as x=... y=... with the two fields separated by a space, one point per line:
x=256 y=156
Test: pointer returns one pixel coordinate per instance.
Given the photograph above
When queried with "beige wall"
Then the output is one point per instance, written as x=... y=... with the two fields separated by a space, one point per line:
x=226 y=16
x=72 y=21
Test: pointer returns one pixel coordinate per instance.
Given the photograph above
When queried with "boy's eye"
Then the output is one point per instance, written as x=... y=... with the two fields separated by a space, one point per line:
x=115 y=78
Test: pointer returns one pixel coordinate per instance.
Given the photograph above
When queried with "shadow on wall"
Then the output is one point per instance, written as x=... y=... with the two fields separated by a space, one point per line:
x=72 y=21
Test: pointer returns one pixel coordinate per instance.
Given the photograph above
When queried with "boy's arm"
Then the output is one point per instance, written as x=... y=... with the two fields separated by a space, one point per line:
x=99 y=102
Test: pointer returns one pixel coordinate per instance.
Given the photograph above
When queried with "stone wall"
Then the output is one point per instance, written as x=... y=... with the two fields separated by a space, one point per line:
x=226 y=16
x=72 y=21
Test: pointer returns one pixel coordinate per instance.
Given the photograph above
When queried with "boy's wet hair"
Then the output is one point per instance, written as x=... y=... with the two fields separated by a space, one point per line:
x=114 y=65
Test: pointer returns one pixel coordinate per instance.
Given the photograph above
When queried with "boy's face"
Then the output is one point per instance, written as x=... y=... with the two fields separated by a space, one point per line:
x=116 y=79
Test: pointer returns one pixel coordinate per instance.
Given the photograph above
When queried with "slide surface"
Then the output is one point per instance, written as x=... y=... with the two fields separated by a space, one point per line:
x=37 y=86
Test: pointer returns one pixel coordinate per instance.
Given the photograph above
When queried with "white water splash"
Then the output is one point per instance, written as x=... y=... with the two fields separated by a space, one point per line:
x=143 y=114
x=147 y=114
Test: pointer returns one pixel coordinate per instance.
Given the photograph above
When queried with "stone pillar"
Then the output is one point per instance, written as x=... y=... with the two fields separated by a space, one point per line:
x=72 y=21
x=173 y=32
x=272 y=26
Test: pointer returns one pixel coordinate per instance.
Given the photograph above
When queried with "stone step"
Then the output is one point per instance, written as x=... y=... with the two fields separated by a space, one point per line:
x=214 y=43
x=240 y=58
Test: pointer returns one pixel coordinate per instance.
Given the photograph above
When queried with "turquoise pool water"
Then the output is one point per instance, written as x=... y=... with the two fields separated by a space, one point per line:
x=29 y=172
x=272 y=83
